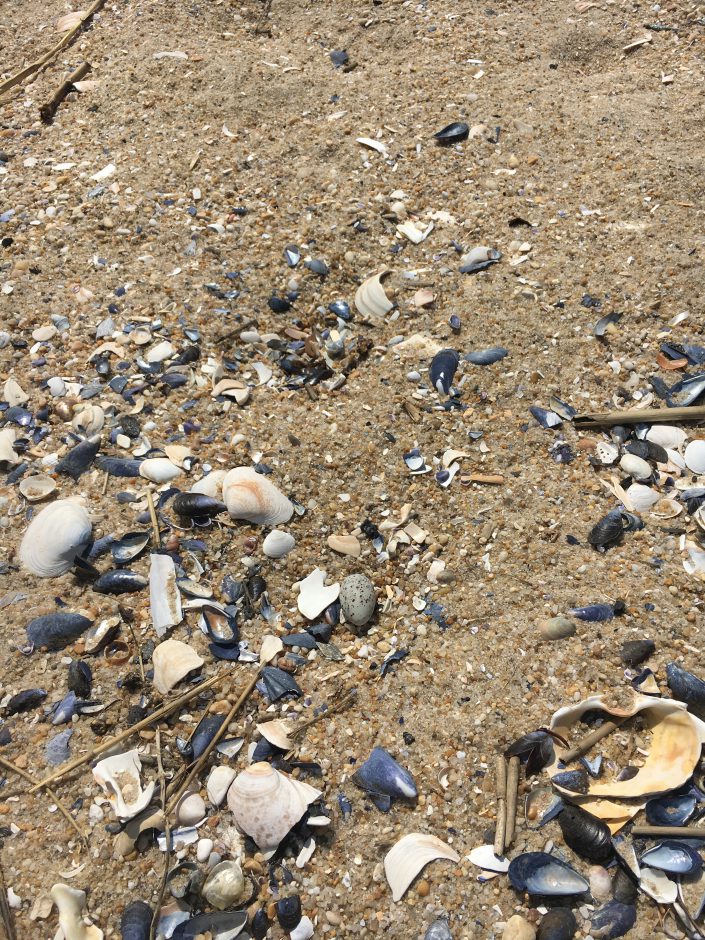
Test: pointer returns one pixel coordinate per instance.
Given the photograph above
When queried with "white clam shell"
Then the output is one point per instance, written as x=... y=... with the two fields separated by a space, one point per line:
x=642 y=497
x=278 y=544
x=13 y=393
x=7 y=452
x=409 y=856
x=250 y=496
x=173 y=660
x=694 y=456
x=315 y=595
x=218 y=783
x=89 y=420
x=667 y=509
x=37 y=487
x=55 y=536
x=160 y=352
x=483 y=856
x=277 y=733
x=211 y=485
x=119 y=776
x=606 y=453
x=266 y=804
x=636 y=467
x=345 y=545
x=164 y=595
x=370 y=298
x=159 y=470
x=70 y=903
x=658 y=885
x=224 y=885
x=667 y=436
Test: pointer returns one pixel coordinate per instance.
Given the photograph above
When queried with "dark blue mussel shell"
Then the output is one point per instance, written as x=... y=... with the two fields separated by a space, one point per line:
x=136 y=921
x=613 y=920
x=486 y=357
x=442 y=370
x=384 y=779
x=541 y=874
x=674 y=857
x=57 y=630
x=452 y=133
x=685 y=687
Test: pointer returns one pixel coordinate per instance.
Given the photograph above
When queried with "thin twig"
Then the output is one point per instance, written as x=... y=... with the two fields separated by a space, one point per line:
x=501 y=826
x=139 y=651
x=5 y=908
x=512 y=795
x=667 y=832
x=128 y=732
x=155 y=525
x=105 y=483
x=167 y=836
x=643 y=415
x=48 y=110
x=591 y=739
x=13 y=768
x=342 y=703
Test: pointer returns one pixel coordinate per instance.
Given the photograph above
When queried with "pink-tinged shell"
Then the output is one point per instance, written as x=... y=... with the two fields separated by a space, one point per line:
x=250 y=496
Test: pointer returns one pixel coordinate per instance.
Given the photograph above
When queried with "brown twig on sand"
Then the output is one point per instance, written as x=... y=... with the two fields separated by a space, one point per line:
x=48 y=110
x=128 y=732
x=167 y=836
x=5 y=908
x=337 y=706
x=501 y=825
x=13 y=768
x=641 y=415
x=155 y=525
x=43 y=60
x=589 y=740
x=512 y=795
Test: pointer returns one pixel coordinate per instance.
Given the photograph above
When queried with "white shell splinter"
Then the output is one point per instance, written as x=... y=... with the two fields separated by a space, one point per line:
x=406 y=859
x=70 y=903
x=315 y=595
x=119 y=776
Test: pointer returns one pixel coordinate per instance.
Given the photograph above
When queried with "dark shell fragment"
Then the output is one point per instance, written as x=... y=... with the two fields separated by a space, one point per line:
x=80 y=678
x=384 y=779
x=486 y=357
x=277 y=684
x=120 y=581
x=452 y=133
x=542 y=874
x=193 y=505
x=24 y=701
x=576 y=781
x=612 y=920
x=685 y=687
x=221 y=925
x=129 y=546
x=557 y=924
x=671 y=809
x=79 y=458
x=585 y=834
x=607 y=531
x=119 y=466
x=57 y=630
x=536 y=748
x=442 y=370
x=136 y=921
x=289 y=912
x=678 y=858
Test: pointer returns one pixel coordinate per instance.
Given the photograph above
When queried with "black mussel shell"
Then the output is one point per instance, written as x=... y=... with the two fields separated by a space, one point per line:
x=486 y=357
x=634 y=652
x=604 y=322
x=322 y=632
x=557 y=924
x=292 y=255
x=574 y=780
x=57 y=630
x=129 y=546
x=277 y=684
x=536 y=748
x=136 y=921
x=442 y=370
x=205 y=731
x=230 y=653
x=193 y=505
x=119 y=466
x=24 y=701
x=452 y=133
x=547 y=419
x=382 y=775
x=120 y=581
x=608 y=530
x=671 y=809
x=625 y=887
x=259 y=925
x=612 y=920
x=631 y=522
x=541 y=874
x=80 y=678
x=256 y=586
x=289 y=912
x=638 y=448
x=317 y=266
x=302 y=640
x=585 y=834
x=79 y=458
x=279 y=304
x=685 y=687
x=678 y=858
x=220 y=627
x=221 y=925
x=594 y=613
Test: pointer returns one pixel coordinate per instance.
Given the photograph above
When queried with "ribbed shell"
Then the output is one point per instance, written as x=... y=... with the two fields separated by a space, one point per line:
x=250 y=496
x=55 y=536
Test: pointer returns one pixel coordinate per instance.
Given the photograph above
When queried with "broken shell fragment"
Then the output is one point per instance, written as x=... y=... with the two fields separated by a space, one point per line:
x=37 y=487
x=250 y=496
x=315 y=595
x=8 y=457
x=266 y=804
x=384 y=779
x=345 y=545
x=370 y=298
x=477 y=259
x=277 y=733
x=173 y=661
x=224 y=886
x=409 y=856
x=218 y=783
x=119 y=776
x=164 y=596
x=55 y=536
x=70 y=903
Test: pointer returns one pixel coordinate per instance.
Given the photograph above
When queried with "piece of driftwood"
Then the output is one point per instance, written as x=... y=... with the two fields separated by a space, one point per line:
x=639 y=416
x=48 y=110
x=43 y=60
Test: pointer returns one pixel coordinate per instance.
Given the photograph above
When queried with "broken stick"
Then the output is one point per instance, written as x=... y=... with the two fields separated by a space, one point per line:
x=501 y=826
x=48 y=110
x=639 y=416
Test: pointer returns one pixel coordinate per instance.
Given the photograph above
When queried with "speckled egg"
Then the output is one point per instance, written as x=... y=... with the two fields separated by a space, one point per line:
x=358 y=599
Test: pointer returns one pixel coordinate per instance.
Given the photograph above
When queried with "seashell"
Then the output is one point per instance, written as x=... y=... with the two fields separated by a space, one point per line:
x=605 y=323
x=266 y=804
x=677 y=858
x=88 y=420
x=547 y=419
x=276 y=684
x=218 y=783
x=636 y=467
x=345 y=545
x=271 y=647
x=160 y=352
x=99 y=636
x=452 y=133
x=358 y=599
x=478 y=259
x=612 y=920
x=315 y=595
x=593 y=613
x=635 y=652
x=370 y=298
x=79 y=458
x=179 y=454
x=164 y=597
x=211 y=484
x=409 y=856
x=190 y=810
x=278 y=544
x=687 y=688
x=119 y=776
x=277 y=733
x=694 y=456
x=70 y=903
x=607 y=454
x=658 y=886
x=129 y=546
x=442 y=370
x=55 y=631
x=224 y=886
x=667 y=436
x=666 y=509
x=384 y=779
x=600 y=883
x=539 y=873
x=119 y=581
x=55 y=536
x=119 y=466
x=487 y=357
x=80 y=678
x=671 y=809
x=572 y=781
x=641 y=497
x=289 y=912
x=556 y=628
x=13 y=393
x=217 y=925
x=136 y=921
x=483 y=856
x=438 y=930
x=37 y=487
x=586 y=835
x=694 y=555
x=173 y=661
x=250 y=496
x=518 y=928
x=24 y=701
x=558 y=923
x=541 y=805
x=607 y=531
x=8 y=457
x=414 y=232
x=197 y=505
x=159 y=470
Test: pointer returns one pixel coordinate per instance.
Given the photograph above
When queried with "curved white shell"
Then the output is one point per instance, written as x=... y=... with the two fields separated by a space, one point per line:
x=55 y=536
x=250 y=496
x=13 y=393
x=635 y=466
x=37 y=487
x=694 y=456
x=266 y=804
x=70 y=903
x=7 y=452
x=173 y=660
x=218 y=783
x=370 y=298
x=159 y=470
x=211 y=485
x=277 y=733
x=278 y=543
x=160 y=352
x=119 y=776
x=89 y=420
x=667 y=509
x=224 y=885
x=606 y=453
x=666 y=435
x=315 y=595
x=642 y=497
x=409 y=856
